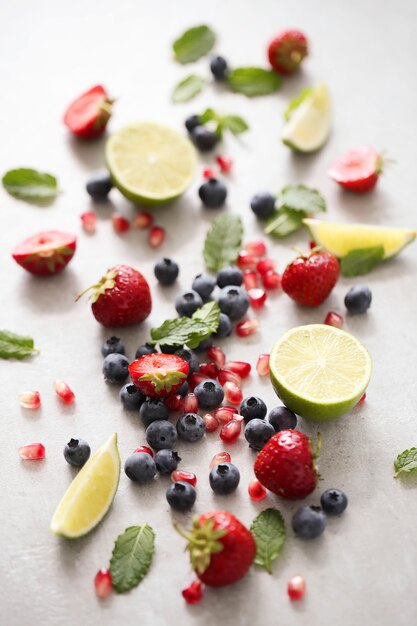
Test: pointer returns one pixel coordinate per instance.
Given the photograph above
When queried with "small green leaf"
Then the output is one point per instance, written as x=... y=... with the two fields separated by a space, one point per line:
x=131 y=557
x=223 y=241
x=268 y=528
x=188 y=331
x=302 y=198
x=234 y=123
x=187 y=88
x=295 y=102
x=283 y=222
x=209 y=315
x=193 y=44
x=406 y=462
x=14 y=346
x=253 y=81
x=209 y=115
x=30 y=185
x=361 y=261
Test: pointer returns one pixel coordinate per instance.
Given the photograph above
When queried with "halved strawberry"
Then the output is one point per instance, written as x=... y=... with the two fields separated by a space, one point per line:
x=46 y=253
x=158 y=375
x=287 y=50
x=87 y=115
x=357 y=169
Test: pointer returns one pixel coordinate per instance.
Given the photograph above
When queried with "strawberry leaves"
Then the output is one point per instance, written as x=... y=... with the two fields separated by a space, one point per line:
x=223 y=241
x=164 y=381
x=131 y=557
x=193 y=44
x=268 y=529
x=190 y=331
x=406 y=462
x=14 y=346
x=30 y=185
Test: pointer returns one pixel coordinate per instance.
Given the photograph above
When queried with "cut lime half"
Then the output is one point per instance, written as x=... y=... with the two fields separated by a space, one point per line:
x=309 y=123
x=318 y=371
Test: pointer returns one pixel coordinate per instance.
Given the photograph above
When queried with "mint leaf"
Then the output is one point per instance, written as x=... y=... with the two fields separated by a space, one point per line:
x=30 y=185
x=283 y=222
x=193 y=44
x=361 y=261
x=268 y=528
x=234 y=123
x=131 y=557
x=187 y=88
x=253 y=81
x=406 y=462
x=223 y=241
x=209 y=315
x=302 y=198
x=295 y=102
x=209 y=115
x=14 y=346
x=188 y=331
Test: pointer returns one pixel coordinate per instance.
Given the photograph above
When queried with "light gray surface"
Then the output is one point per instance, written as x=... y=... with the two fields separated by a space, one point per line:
x=362 y=571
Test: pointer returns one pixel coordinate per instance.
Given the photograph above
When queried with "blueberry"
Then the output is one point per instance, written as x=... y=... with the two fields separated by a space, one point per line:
x=263 y=204
x=204 y=345
x=192 y=122
x=115 y=368
x=113 y=345
x=308 y=522
x=224 y=478
x=166 y=271
x=218 y=67
x=258 y=432
x=253 y=408
x=187 y=303
x=333 y=501
x=191 y=358
x=168 y=349
x=77 y=452
x=204 y=284
x=161 y=434
x=153 y=409
x=99 y=185
x=147 y=348
x=183 y=390
x=233 y=301
x=181 y=496
x=282 y=418
x=131 y=398
x=225 y=327
x=140 y=467
x=230 y=275
x=190 y=427
x=358 y=299
x=204 y=138
x=166 y=461
x=213 y=193
x=209 y=394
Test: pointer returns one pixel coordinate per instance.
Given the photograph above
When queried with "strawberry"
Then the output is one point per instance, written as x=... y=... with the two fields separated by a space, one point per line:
x=309 y=279
x=358 y=169
x=87 y=115
x=46 y=253
x=221 y=548
x=287 y=50
x=121 y=297
x=285 y=465
x=158 y=375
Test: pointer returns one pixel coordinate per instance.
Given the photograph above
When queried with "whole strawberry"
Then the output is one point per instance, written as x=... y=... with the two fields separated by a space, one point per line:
x=45 y=253
x=121 y=297
x=357 y=169
x=309 y=279
x=285 y=465
x=287 y=50
x=87 y=115
x=221 y=548
x=158 y=375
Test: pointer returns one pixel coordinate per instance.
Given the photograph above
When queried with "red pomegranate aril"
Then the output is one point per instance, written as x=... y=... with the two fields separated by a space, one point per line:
x=250 y=279
x=195 y=378
x=210 y=422
x=224 y=414
x=271 y=280
x=232 y=393
x=230 y=432
x=32 y=452
x=175 y=403
x=225 y=163
x=220 y=457
x=209 y=370
x=209 y=172
x=246 y=261
x=256 y=490
x=190 y=403
x=229 y=376
x=334 y=319
x=258 y=248
x=296 y=588
x=30 y=399
x=187 y=477
x=216 y=354
x=362 y=399
x=64 y=392
x=265 y=265
x=103 y=583
x=194 y=593
x=262 y=365
x=156 y=236
x=239 y=367
x=144 y=449
x=120 y=223
x=257 y=298
x=247 y=327
x=312 y=244
x=142 y=220
x=89 y=221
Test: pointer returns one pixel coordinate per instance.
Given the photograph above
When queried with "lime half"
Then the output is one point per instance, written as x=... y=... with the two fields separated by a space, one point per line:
x=309 y=123
x=89 y=496
x=318 y=371
x=150 y=164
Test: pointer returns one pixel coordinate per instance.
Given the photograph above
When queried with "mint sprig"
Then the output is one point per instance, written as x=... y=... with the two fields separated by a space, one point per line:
x=187 y=88
x=131 y=557
x=14 y=346
x=190 y=331
x=223 y=241
x=294 y=203
x=193 y=44
x=268 y=529
x=253 y=81
x=30 y=185
x=406 y=462
x=295 y=102
x=361 y=261
x=234 y=123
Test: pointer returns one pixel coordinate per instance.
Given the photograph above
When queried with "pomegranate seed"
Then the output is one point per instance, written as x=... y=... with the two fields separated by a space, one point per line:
x=220 y=457
x=144 y=449
x=257 y=298
x=30 y=399
x=209 y=172
x=142 y=220
x=362 y=400
x=246 y=261
x=262 y=365
x=250 y=279
x=334 y=319
x=32 y=452
x=190 y=403
x=89 y=221
x=194 y=593
x=230 y=432
x=246 y=328
x=239 y=367
x=64 y=392
x=156 y=236
x=187 y=477
x=103 y=583
x=120 y=223
x=271 y=280
x=296 y=587
x=209 y=370
x=216 y=354
x=228 y=376
x=256 y=490
x=224 y=414
x=265 y=265
x=312 y=244
x=175 y=403
x=258 y=248
x=225 y=163
x=232 y=393
x=211 y=422
x=195 y=378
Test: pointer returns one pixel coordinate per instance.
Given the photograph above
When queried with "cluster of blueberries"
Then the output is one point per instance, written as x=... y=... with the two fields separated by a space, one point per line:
x=309 y=522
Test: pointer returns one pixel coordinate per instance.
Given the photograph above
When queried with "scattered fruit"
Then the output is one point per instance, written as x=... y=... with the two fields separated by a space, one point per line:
x=99 y=185
x=333 y=501
x=296 y=588
x=271 y=280
x=233 y=301
x=115 y=368
x=287 y=50
x=224 y=478
x=166 y=271
x=282 y=418
x=308 y=120
x=250 y=279
x=77 y=452
x=225 y=163
x=153 y=409
x=120 y=223
x=142 y=220
x=30 y=399
x=204 y=138
x=187 y=303
x=89 y=221
x=87 y=115
x=226 y=375
x=257 y=248
x=161 y=434
x=210 y=422
x=230 y=432
x=256 y=490
x=225 y=414
x=257 y=298
x=265 y=265
x=181 y=496
x=309 y=279
x=193 y=594
x=183 y=476
x=191 y=427
x=204 y=285
x=64 y=392
x=263 y=204
x=262 y=365
x=258 y=432
x=191 y=403
x=158 y=375
x=140 y=467
x=131 y=398
x=156 y=236
x=219 y=67
x=247 y=327
x=144 y=449
x=209 y=394
x=45 y=253
x=232 y=393
x=209 y=172
x=220 y=457
x=358 y=169
x=113 y=345
x=229 y=275
x=166 y=461
x=213 y=193
x=246 y=261
x=358 y=299
x=32 y=452
x=253 y=408
x=103 y=583
x=241 y=368
x=333 y=319
x=308 y=522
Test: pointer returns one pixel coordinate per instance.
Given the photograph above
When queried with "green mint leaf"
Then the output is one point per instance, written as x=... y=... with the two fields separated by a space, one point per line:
x=223 y=241
x=209 y=315
x=209 y=115
x=188 y=331
x=30 y=185
x=131 y=557
x=14 y=346
x=253 y=81
x=283 y=222
x=406 y=462
x=295 y=102
x=187 y=88
x=268 y=528
x=302 y=198
x=361 y=261
x=234 y=123
x=193 y=44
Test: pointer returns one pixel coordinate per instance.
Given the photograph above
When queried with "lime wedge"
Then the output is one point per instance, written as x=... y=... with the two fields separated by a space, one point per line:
x=89 y=496
x=150 y=164
x=319 y=371
x=308 y=126
x=341 y=238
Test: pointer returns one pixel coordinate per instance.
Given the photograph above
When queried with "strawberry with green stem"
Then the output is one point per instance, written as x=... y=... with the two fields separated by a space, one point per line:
x=310 y=278
x=358 y=169
x=45 y=253
x=159 y=375
x=87 y=116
